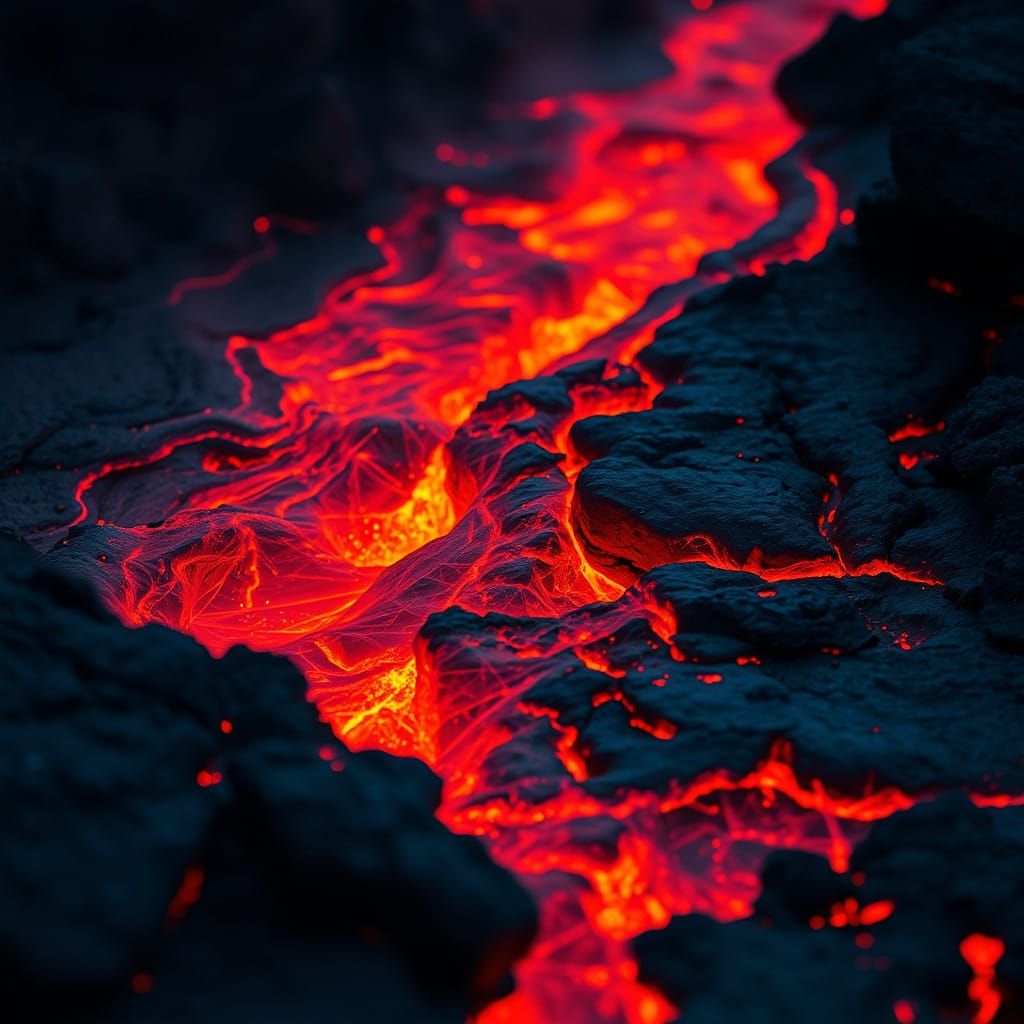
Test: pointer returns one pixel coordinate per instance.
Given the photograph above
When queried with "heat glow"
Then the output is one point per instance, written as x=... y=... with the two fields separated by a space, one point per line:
x=328 y=523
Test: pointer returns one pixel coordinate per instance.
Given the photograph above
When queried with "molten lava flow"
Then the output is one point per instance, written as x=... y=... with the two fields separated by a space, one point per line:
x=378 y=486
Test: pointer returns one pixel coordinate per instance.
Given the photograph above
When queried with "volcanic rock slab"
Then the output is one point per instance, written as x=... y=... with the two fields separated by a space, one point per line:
x=771 y=387
x=711 y=668
x=883 y=941
x=956 y=91
x=158 y=761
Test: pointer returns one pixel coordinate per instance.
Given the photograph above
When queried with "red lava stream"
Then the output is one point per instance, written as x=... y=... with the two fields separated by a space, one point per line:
x=328 y=528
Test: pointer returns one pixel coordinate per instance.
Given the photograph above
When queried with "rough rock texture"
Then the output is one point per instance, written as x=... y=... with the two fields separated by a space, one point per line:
x=875 y=943
x=955 y=99
x=945 y=76
x=780 y=667
x=838 y=78
x=170 y=772
x=147 y=363
x=753 y=420
x=890 y=936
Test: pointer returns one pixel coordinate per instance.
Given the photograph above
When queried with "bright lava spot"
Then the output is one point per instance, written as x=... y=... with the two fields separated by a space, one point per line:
x=904 y=1011
x=188 y=893
x=982 y=953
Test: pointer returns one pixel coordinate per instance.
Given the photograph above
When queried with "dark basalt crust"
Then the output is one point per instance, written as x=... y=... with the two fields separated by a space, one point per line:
x=135 y=767
x=951 y=868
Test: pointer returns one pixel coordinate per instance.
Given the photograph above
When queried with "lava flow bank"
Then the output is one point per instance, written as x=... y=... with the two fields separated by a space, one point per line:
x=709 y=620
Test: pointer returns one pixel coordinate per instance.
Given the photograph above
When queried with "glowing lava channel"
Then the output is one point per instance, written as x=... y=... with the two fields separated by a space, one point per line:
x=329 y=528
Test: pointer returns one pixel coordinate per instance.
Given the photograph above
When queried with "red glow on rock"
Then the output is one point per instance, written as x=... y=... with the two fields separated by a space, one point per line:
x=982 y=953
x=997 y=799
x=904 y=1011
x=849 y=914
x=875 y=912
x=915 y=428
x=266 y=251
x=946 y=287
x=544 y=108
x=187 y=894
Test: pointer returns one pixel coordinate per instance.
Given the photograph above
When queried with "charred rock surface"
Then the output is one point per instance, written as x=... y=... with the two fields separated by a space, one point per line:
x=955 y=92
x=738 y=451
x=698 y=670
x=944 y=75
x=139 y=772
x=105 y=375
x=915 y=928
x=950 y=871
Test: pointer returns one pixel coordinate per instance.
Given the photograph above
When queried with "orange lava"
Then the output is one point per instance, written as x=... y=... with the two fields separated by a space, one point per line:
x=328 y=523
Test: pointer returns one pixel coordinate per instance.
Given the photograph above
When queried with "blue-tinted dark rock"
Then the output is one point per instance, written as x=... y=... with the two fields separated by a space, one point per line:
x=988 y=432
x=936 y=874
x=689 y=511
x=742 y=452
x=315 y=163
x=986 y=446
x=799 y=616
x=858 y=716
x=955 y=101
x=118 y=775
x=65 y=210
x=797 y=886
x=244 y=953
x=748 y=973
x=1003 y=613
x=838 y=78
x=85 y=220
x=948 y=857
x=1008 y=358
x=102 y=738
